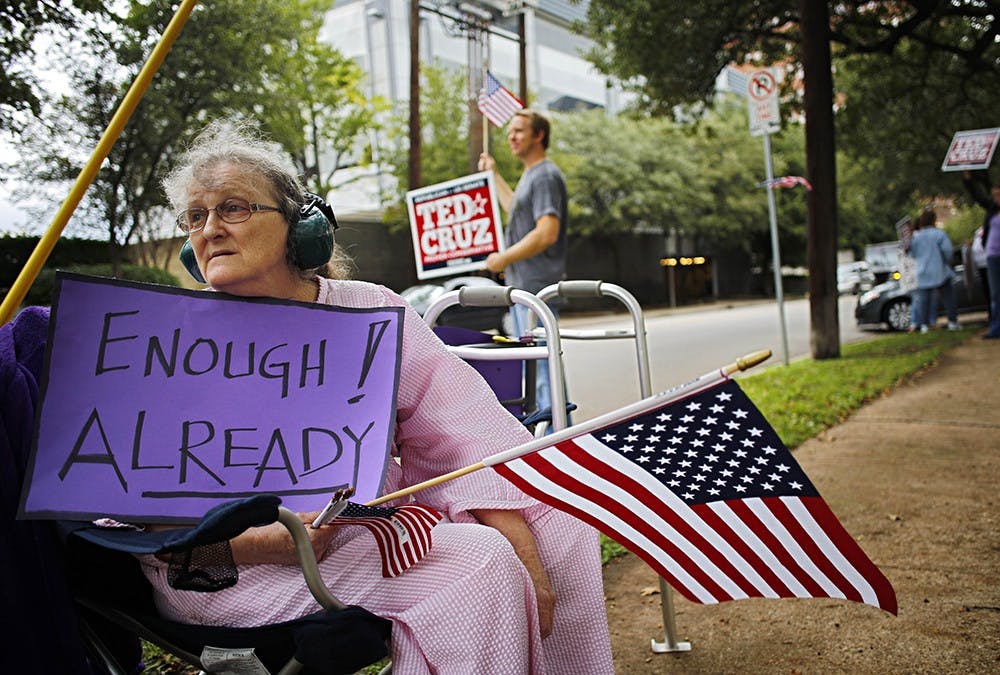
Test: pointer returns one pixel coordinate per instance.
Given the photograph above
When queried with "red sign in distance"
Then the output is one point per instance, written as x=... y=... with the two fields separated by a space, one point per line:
x=455 y=225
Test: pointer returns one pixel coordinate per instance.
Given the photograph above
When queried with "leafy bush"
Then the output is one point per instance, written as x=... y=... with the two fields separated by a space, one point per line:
x=40 y=292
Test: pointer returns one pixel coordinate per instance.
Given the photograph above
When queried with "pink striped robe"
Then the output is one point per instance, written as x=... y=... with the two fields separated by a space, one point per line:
x=469 y=606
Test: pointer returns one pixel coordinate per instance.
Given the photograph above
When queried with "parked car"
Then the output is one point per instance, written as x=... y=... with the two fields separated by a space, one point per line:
x=888 y=304
x=854 y=277
x=421 y=296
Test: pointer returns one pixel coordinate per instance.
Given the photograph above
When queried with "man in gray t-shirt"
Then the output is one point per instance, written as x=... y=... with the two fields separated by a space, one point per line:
x=541 y=192
x=536 y=232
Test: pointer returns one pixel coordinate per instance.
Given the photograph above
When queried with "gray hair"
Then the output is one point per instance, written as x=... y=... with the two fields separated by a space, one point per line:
x=241 y=144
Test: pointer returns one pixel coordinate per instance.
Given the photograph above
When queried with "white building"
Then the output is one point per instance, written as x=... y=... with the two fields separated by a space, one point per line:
x=375 y=33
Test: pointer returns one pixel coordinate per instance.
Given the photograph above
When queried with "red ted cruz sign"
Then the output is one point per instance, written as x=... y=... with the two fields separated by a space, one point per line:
x=970 y=150
x=455 y=225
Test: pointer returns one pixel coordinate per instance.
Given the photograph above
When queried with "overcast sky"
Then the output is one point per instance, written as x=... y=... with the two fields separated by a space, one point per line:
x=12 y=218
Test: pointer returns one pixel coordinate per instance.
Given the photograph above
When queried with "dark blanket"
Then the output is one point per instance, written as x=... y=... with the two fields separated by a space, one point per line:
x=40 y=630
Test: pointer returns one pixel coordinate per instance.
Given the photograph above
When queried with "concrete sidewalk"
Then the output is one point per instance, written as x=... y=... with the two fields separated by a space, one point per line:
x=914 y=477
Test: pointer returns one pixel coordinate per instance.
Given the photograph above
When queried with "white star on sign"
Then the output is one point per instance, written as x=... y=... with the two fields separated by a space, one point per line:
x=480 y=202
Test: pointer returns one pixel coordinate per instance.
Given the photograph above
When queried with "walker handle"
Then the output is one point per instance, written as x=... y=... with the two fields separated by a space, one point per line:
x=485 y=296
x=580 y=288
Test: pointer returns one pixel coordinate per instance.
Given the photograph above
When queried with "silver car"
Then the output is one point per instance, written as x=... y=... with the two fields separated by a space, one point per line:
x=854 y=277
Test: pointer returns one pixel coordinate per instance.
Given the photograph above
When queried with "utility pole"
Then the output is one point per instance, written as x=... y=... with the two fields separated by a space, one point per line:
x=522 y=58
x=414 y=177
x=821 y=249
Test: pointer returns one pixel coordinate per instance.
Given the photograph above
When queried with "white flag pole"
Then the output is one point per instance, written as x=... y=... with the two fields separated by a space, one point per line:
x=612 y=417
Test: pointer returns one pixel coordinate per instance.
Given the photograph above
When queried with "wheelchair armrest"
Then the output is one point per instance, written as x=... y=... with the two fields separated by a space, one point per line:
x=307 y=560
x=225 y=521
x=233 y=518
x=221 y=523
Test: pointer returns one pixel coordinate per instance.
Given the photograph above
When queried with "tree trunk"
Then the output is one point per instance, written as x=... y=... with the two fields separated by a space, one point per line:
x=821 y=249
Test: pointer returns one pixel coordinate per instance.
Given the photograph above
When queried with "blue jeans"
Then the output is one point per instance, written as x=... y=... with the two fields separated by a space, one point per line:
x=543 y=387
x=993 y=273
x=918 y=307
x=947 y=293
x=924 y=311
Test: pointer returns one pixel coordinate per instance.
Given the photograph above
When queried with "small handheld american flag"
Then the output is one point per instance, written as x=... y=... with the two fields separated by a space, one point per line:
x=496 y=102
x=402 y=534
x=786 y=182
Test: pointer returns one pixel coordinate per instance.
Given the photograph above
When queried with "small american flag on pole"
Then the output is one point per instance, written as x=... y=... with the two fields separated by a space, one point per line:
x=787 y=182
x=705 y=492
x=402 y=534
x=496 y=102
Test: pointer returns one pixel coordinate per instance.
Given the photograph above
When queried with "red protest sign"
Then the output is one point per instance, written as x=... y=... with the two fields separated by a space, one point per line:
x=454 y=225
x=970 y=150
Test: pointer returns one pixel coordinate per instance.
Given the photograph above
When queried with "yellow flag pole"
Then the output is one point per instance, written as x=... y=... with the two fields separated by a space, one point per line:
x=128 y=105
x=743 y=363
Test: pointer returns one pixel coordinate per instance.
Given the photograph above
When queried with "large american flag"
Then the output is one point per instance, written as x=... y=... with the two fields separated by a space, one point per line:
x=496 y=102
x=706 y=493
x=402 y=534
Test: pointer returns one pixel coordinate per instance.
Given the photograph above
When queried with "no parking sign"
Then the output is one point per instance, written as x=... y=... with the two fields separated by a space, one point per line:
x=762 y=102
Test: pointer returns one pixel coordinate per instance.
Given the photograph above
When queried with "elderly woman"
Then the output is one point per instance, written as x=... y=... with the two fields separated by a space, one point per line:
x=510 y=585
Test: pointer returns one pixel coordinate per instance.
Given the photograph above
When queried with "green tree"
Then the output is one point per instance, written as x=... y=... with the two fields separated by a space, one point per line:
x=671 y=51
x=908 y=75
x=899 y=114
x=229 y=60
x=696 y=179
x=318 y=111
x=21 y=22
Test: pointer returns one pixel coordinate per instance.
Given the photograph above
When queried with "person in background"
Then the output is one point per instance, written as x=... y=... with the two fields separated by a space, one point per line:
x=974 y=261
x=510 y=585
x=931 y=249
x=535 y=256
x=990 y=201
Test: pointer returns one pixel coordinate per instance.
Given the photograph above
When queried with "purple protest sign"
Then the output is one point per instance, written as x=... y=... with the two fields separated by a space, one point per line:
x=158 y=403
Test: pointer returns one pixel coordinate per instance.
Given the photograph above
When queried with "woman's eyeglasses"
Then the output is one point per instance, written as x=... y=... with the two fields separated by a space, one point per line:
x=230 y=211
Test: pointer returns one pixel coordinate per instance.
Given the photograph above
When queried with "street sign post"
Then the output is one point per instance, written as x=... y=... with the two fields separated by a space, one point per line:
x=762 y=102
x=765 y=119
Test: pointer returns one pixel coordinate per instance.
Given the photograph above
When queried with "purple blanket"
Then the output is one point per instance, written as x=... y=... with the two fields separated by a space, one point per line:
x=40 y=625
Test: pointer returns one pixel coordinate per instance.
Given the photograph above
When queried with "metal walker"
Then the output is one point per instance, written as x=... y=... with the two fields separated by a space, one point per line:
x=553 y=335
x=505 y=296
x=595 y=289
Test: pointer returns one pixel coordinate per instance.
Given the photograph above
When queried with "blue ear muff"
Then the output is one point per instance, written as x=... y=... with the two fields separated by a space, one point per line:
x=190 y=263
x=312 y=238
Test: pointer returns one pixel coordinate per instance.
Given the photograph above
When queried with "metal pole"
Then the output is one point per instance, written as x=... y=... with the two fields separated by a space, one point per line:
x=775 y=249
x=486 y=65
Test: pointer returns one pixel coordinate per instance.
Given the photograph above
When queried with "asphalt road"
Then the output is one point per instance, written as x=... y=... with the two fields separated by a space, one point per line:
x=683 y=343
